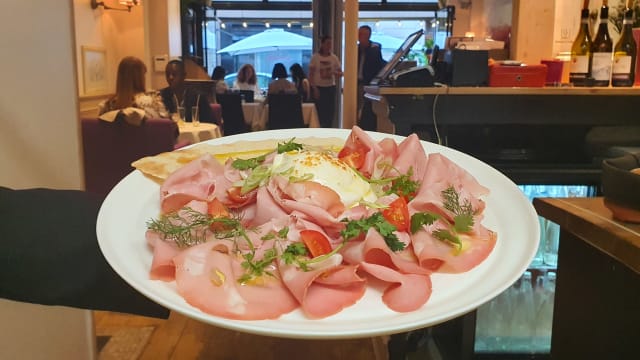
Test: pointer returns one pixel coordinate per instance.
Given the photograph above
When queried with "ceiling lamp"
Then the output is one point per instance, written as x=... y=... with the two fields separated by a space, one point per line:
x=128 y=3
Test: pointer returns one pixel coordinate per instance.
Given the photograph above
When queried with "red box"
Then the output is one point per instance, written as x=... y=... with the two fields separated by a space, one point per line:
x=517 y=76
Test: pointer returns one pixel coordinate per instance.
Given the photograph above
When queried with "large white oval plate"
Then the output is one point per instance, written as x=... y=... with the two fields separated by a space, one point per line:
x=135 y=200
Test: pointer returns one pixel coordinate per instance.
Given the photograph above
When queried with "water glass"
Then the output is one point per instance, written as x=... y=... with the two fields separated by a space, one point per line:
x=194 y=116
x=181 y=114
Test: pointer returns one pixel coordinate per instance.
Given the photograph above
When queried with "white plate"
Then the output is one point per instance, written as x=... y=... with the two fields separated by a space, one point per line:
x=135 y=200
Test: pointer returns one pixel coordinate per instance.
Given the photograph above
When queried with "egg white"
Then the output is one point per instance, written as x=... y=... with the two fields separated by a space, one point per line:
x=326 y=170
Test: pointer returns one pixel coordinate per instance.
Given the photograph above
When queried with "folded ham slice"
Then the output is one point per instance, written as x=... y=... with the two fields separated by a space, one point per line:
x=406 y=292
x=206 y=276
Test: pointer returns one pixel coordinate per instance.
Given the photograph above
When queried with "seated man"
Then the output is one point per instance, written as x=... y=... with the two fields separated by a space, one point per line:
x=177 y=94
x=49 y=254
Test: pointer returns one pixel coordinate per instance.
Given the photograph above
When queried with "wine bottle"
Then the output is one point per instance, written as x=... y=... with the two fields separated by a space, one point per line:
x=624 y=53
x=581 y=50
x=602 y=50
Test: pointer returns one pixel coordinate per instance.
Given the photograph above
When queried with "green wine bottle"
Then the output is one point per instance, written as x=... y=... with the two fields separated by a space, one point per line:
x=602 y=50
x=624 y=54
x=581 y=51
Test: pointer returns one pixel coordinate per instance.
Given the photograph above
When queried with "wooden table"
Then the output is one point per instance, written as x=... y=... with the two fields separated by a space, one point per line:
x=597 y=299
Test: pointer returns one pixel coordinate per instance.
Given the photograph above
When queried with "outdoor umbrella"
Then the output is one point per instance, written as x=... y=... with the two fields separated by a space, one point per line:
x=269 y=40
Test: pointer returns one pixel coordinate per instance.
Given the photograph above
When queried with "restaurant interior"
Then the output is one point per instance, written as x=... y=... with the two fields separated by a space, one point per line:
x=550 y=139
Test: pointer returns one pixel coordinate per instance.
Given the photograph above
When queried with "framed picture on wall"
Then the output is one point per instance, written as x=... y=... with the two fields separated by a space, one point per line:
x=94 y=70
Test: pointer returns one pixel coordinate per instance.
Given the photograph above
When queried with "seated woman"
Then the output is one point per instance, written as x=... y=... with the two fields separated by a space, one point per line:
x=246 y=79
x=301 y=82
x=177 y=94
x=131 y=91
x=218 y=77
x=279 y=83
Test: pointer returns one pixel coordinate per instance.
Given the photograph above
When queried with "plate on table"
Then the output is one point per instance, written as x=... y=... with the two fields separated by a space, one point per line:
x=135 y=200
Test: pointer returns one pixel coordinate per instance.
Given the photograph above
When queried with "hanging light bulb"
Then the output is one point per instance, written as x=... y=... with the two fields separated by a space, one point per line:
x=244 y=24
x=311 y=24
x=223 y=25
x=289 y=24
x=399 y=23
x=267 y=25
x=377 y=24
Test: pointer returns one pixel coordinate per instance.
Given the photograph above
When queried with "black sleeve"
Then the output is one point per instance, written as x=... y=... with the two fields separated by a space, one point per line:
x=49 y=254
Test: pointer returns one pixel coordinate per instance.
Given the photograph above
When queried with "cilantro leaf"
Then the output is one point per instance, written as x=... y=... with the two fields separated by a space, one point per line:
x=422 y=218
x=288 y=146
x=246 y=164
x=463 y=223
x=387 y=230
x=448 y=236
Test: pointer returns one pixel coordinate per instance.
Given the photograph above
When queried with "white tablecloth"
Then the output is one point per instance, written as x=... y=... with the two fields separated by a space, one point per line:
x=193 y=134
x=256 y=115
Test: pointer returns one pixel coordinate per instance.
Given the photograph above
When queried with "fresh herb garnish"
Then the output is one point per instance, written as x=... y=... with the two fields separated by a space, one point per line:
x=256 y=268
x=247 y=164
x=289 y=146
x=463 y=220
x=293 y=255
x=422 y=218
x=356 y=227
x=189 y=227
x=404 y=186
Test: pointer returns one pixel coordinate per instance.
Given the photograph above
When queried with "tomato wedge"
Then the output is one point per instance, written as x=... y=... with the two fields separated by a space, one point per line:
x=216 y=209
x=238 y=198
x=354 y=155
x=316 y=242
x=398 y=214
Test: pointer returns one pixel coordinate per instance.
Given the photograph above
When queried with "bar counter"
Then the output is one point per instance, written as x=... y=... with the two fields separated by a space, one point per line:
x=596 y=312
x=540 y=135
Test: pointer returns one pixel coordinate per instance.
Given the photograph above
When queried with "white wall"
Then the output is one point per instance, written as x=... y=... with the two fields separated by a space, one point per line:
x=39 y=139
x=39 y=147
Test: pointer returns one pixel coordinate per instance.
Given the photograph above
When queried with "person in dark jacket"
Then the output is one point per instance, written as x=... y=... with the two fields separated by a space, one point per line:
x=49 y=254
x=370 y=62
x=177 y=94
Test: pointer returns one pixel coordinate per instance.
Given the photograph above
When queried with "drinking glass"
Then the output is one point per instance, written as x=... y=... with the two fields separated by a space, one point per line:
x=194 y=116
x=181 y=113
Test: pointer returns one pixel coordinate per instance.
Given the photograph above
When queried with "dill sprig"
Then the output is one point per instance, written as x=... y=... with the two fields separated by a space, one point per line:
x=186 y=228
x=463 y=220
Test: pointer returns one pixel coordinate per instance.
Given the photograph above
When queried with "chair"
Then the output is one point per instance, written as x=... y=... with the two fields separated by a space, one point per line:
x=216 y=114
x=110 y=148
x=285 y=111
x=232 y=115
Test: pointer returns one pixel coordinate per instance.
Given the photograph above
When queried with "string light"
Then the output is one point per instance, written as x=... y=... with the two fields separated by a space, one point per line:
x=267 y=25
x=244 y=24
x=289 y=24
x=223 y=25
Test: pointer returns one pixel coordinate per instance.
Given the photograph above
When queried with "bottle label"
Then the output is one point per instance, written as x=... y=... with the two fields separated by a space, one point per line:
x=622 y=64
x=579 y=64
x=601 y=66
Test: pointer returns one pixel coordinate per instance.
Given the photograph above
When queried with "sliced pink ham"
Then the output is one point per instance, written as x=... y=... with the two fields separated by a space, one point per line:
x=206 y=276
x=441 y=256
x=162 y=267
x=202 y=179
x=406 y=292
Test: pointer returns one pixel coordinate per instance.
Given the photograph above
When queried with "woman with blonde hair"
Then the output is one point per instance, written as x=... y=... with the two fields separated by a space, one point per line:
x=247 y=79
x=131 y=91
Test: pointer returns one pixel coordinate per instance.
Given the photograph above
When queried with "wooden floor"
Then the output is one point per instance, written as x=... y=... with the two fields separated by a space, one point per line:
x=182 y=338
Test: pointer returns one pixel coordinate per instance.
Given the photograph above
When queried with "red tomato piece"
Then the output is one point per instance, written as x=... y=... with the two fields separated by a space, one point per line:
x=238 y=198
x=316 y=242
x=354 y=154
x=398 y=214
x=217 y=210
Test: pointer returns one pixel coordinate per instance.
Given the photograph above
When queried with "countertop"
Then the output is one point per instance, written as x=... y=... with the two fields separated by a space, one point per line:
x=591 y=221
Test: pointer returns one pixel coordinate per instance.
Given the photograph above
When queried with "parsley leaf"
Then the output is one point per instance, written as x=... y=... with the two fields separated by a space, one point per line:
x=246 y=164
x=404 y=186
x=356 y=227
x=288 y=146
x=422 y=218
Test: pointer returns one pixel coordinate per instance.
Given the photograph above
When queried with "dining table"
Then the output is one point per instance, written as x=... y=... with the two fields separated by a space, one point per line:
x=191 y=133
x=256 y=115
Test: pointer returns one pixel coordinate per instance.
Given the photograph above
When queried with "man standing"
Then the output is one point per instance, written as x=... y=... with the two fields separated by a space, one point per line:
x=370 y=62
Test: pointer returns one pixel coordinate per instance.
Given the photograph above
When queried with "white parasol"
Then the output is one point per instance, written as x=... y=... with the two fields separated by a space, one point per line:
x=269 y=40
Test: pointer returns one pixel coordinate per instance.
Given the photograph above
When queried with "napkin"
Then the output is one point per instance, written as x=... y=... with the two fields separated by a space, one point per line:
x=131 y=115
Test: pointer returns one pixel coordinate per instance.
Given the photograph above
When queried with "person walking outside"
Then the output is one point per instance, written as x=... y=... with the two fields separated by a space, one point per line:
x=324 y=73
